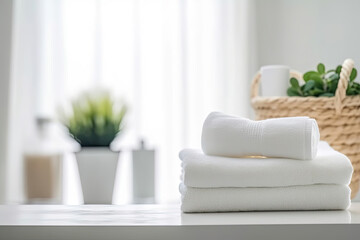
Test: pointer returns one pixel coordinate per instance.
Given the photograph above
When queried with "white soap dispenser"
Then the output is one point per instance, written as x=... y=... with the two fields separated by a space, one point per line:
x=143 y=175
x=43 y=166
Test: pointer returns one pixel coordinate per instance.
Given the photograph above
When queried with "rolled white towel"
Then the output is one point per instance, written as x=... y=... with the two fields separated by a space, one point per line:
x=231 y=136
x=311 y=197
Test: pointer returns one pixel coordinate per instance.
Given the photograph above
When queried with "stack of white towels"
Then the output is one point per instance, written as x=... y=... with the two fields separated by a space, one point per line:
x=274 y=164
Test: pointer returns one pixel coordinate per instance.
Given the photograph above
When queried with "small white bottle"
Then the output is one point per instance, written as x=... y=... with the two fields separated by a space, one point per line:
x=143 y=175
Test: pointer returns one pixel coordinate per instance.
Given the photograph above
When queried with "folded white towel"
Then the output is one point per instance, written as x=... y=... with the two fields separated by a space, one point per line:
x=200 y=170
x=312 y=197
x=282 y=217
x=230 y=136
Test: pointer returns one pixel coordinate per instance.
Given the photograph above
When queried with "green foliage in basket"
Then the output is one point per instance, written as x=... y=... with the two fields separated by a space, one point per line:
x=94 y=119
x=321 y=83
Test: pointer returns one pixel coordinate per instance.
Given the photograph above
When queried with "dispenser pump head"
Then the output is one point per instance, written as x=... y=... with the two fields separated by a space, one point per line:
x=142 y=144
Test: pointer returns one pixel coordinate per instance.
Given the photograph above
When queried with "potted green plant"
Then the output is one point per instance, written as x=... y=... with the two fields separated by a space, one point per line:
x=322 y=83
x=94 y=120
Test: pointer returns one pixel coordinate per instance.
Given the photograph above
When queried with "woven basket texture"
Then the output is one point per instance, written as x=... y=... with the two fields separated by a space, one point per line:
x=338 y=117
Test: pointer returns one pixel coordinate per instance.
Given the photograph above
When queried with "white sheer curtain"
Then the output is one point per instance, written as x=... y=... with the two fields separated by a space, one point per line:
x=173 y=61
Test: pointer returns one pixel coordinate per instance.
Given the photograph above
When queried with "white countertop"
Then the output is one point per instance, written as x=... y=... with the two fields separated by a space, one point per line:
x=161 y=215
x=20 y=221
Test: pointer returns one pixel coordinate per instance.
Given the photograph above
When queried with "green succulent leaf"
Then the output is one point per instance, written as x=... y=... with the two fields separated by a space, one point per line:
x=353 y=75
x=316 y=92
x=356 y=85
x=309 y=85
x=321 y=68
x=294 y=83
x=310 y=75
x=319 y=83
x=334 y=77
x=317 y=78
x=333 y=85
x=353 y=89
x=326 y=94
x=293 y=92
x=338 y=69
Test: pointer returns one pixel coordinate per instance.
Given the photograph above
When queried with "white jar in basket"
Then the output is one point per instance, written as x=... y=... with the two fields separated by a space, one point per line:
x=274 y=80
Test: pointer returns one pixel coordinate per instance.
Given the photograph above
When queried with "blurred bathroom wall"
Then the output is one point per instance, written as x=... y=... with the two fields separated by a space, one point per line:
x=5 y=51
x=301 y=34
x=225 y=43
x=173 y=61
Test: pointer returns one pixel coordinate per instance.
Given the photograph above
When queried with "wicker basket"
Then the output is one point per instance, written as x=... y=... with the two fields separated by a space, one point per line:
x=338 y=117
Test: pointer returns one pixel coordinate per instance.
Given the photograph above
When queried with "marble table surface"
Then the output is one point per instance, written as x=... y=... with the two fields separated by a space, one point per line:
x=163 y=221
x=161 y=215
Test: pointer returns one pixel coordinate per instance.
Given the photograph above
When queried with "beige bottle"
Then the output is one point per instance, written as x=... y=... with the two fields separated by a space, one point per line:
x=43 y=168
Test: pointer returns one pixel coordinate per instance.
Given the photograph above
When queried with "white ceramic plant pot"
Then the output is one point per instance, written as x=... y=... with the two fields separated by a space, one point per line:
x=97 y=169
